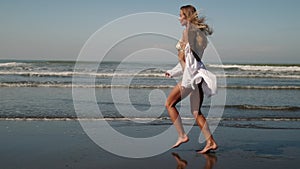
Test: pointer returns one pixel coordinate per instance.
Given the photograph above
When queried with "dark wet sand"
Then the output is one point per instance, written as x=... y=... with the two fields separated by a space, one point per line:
x=63 y=144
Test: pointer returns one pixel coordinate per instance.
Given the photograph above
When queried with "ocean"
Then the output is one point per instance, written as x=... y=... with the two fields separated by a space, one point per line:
x=257 y=95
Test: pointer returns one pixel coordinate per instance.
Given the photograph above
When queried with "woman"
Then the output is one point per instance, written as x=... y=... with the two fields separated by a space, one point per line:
x=196 y=80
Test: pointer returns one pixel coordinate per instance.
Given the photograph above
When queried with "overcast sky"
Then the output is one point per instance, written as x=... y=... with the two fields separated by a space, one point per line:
x=245 y=31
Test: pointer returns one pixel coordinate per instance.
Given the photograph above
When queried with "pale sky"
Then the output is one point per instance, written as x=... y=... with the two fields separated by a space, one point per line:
x=256 y=31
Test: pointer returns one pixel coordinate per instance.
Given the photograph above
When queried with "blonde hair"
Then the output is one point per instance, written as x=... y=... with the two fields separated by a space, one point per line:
x=191 y=15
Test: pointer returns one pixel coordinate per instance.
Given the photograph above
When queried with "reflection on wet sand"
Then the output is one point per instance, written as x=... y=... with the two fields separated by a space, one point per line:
x=181 y=164
x=210 y=161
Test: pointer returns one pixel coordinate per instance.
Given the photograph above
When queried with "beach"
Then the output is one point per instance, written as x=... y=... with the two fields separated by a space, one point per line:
x=63 y=144
x=95 y=85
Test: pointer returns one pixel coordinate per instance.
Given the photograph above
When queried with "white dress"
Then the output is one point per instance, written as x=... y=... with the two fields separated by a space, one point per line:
x=193 y=74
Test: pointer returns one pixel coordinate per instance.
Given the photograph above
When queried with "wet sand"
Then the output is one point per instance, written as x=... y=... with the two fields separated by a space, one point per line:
x=63 y=144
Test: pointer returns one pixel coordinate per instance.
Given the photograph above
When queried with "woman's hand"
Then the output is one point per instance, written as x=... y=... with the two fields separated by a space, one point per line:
x=168 y=75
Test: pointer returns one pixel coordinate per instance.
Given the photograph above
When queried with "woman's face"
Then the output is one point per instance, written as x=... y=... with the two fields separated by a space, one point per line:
x=182 y=19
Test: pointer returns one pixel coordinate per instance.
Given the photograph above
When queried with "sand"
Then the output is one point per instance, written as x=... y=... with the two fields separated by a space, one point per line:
x=63 y=144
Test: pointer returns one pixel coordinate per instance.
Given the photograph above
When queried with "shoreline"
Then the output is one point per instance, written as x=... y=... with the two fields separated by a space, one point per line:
x=63 y=144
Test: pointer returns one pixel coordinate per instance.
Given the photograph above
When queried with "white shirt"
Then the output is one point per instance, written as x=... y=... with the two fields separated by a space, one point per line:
x=193 y=74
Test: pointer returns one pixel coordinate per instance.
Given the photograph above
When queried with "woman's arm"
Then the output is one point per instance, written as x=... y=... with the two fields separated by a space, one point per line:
x=181 y=58
x=197 y=41
x=181 y=52
x=175 y=72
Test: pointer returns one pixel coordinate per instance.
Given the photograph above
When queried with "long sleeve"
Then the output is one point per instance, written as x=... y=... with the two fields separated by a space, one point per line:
x=176 y=71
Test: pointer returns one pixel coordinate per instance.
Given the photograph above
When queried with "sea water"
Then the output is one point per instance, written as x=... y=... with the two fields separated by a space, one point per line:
x=257 y=96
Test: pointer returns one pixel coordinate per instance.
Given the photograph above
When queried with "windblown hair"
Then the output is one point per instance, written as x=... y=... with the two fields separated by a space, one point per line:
x=191 y=15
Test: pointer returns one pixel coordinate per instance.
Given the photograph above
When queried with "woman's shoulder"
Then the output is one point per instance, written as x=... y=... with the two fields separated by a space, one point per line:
x=184 y=35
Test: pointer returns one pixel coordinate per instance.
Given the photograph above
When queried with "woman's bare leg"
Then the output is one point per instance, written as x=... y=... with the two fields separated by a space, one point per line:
x=196 y=100
x=176 y=95
x=210 y=142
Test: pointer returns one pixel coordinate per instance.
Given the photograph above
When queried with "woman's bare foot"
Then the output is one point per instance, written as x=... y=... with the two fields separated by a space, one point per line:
x=208 y=147
x=181 y=140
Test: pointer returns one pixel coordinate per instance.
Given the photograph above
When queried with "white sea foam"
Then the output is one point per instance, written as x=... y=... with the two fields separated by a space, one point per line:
x=70 y=74
x=158 y=75
x=58 y=85
x=32 y=73
x=12 y=64
x=290 y=76
x=263 y=87
x=185 y=119
x=259 y=68
x=138 y=86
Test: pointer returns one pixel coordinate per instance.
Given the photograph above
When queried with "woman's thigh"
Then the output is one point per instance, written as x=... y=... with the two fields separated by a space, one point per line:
x=196 y=99
x=177 y=94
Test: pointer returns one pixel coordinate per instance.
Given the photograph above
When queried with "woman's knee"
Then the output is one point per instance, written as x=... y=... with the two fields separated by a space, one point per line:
x=169 y=104
x=197 y=113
